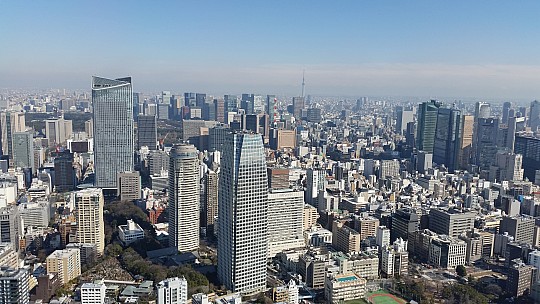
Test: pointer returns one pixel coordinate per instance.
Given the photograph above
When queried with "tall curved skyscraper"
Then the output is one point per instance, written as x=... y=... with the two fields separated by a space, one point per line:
x=184 y=198
x=112 y=101
x=243 y=214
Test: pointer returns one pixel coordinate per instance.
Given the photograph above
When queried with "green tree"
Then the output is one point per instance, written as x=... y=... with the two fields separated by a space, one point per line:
x=461 y=271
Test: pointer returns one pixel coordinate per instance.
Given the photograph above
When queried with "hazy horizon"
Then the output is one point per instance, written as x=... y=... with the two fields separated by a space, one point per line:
x=425 y=48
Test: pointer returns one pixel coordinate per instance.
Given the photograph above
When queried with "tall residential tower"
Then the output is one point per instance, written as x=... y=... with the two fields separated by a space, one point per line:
x=184 y=198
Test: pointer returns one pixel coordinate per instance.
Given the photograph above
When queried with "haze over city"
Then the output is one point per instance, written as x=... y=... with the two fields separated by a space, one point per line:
x=484 y=49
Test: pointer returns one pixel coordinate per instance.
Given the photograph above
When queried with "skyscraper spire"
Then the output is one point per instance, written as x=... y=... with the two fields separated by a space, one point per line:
x=303 y=82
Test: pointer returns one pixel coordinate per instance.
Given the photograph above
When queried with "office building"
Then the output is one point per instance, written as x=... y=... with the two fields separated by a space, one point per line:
x=112 y=102
x=447 y=252
x=519 y=227
x=58 y=131
x=9 y=226
x=520 y=278
x=427 y=124
x=451 y=222
x=23 y=150
x=383 y=237
x=505 y=112
x=312 y=269
x=172 y=291
x=315 y=179
x=35 y=214
x=534 y=115
x=243 y=214
x=281 y=139
x=528 y=147
x=482 y=110
x=184 y=198
x=14 y=285
x=285 y=212
x=89 y=128
x=230 y=104
x=10 y=122
x=486 y=137
x=66 y=263
x=298 y=106
x=310 y=217
x=271 y=109
x=158 y=163
x=389 y=168
x=93 y=293
x=129 y=186
x=448 y=138
x=278 y=178
x=147 y=132
x=465 y=146
x=65 y=178
x=403 y=117
x=89 y=215
x=314 y=115
x=404 y=222
x=507 y=167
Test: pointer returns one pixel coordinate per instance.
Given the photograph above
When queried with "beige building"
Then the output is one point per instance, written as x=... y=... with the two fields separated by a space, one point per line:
x=344 y=238
x=311 y=215
x=366 y=226
x=66 y=263
x=89 y=216
x=281 y=139
x=465 y=147
x=129 y=186
x=8 y=256
x=344 y=287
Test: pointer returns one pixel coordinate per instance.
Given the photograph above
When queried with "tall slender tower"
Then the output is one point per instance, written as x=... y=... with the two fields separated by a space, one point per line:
x=10 y=122
x=243 y=214
x=89 y=213
x=427 y=122
x=303 y=82
x=112 y=101
x=184 y=198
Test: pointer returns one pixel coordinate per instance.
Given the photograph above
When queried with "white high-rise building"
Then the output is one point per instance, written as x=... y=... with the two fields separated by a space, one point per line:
x=243 y=214
x=89 y=213
x=112 y=101
x=382 y=237
x=315 y=183
x=184 y=198
x=93 y=293
x=172 y=291
x=285 y=220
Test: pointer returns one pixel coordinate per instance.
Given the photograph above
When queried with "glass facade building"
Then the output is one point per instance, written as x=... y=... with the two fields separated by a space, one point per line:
x=112 y=100
x=243 y=214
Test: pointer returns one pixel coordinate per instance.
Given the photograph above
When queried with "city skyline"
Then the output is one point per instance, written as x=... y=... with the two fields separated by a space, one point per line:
x=390 y=49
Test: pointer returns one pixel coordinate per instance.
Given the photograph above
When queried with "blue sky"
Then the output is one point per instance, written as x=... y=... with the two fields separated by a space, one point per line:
x=427 y=48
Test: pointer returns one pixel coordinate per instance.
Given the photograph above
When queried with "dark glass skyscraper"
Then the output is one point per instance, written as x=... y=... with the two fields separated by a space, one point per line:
x=447 y=138
x=112 y=101
x=147 y=131
x=427 y=123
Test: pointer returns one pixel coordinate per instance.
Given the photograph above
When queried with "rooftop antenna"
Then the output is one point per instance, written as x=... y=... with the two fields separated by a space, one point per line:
x=303 y=82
